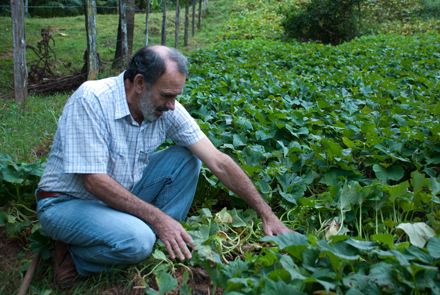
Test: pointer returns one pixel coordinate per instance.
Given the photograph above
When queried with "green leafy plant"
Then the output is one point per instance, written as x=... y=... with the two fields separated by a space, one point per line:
x=327 y=21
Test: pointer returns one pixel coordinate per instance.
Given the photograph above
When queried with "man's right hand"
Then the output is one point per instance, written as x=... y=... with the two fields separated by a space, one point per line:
x=174 y=236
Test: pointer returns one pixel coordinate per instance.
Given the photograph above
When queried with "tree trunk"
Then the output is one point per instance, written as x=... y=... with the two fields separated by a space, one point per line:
x=164 y=23
x=92 y=56
x=176 y=39
x=185 y=36
x=200 y=14
x=19 y=44
x=194 y=18
x=205 y=5
x=131 y=6
x=121 y=54
x=147 y=8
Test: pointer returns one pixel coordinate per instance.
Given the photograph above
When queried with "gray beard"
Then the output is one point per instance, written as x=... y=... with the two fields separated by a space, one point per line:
x=148 y=108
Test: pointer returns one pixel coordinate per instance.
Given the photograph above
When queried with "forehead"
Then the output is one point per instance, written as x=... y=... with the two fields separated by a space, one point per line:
x=171 y=82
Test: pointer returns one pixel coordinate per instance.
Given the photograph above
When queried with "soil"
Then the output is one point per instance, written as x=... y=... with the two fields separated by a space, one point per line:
x=10 y=251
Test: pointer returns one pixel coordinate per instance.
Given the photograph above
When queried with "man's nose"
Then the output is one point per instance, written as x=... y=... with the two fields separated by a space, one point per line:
x=170 y=104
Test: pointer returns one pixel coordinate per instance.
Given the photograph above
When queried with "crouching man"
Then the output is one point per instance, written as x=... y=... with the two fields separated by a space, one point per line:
x=103 y=174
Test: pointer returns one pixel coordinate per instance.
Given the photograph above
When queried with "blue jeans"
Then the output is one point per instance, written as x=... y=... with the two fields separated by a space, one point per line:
x=101 y=237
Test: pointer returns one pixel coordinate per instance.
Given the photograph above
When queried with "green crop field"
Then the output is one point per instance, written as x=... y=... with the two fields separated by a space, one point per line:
x=342 y=141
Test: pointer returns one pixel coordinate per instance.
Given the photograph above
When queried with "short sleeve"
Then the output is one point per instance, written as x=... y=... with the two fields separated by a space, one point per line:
x=85 y=141
x=183 y=129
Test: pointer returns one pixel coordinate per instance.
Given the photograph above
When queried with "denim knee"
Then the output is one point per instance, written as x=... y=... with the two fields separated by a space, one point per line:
x=136 y=248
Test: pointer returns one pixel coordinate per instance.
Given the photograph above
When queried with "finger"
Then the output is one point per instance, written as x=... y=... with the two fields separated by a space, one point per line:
x=189 y=240
x=176 y=248
x=170 y=249
x=184 y=249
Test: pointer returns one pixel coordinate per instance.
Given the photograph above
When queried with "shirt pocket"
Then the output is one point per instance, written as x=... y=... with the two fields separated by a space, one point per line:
x=118 y=157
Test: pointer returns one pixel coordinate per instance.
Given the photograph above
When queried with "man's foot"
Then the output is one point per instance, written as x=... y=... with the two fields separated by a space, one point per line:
x=65 y=274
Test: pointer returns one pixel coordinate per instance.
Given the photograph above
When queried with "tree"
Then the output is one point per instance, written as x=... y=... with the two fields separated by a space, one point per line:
x=164 y=22
x=124 y=40
x=176 y=38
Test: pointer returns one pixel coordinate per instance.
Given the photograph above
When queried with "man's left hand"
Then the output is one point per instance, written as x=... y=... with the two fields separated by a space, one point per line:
x=274 y=226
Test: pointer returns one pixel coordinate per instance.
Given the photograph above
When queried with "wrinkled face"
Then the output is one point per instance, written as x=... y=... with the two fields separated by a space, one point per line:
x=162 y=95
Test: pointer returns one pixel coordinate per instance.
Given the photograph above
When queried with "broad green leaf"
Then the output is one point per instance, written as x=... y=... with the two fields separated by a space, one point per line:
x=419 y=254
x=11 y=175
x=280 y=287
x=419 y=233
x=435 y=186
x=205 y=212
x=357 y=281
x=287 y=239
x=264 y=186
x=166 y=283
x=236 y=221
x=382 y=274
x=433 y=247
x=398 y=191
x=201 y=235
x=296 y=250
x=348 y=142
x=418 y=181
x=223 y=216
x=159 y=255
x=361 y=245
x=387 y=239
x=394 y=173
x=348 y=197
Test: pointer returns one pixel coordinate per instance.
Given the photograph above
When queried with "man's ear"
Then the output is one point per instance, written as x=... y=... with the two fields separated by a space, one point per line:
x=139 y=83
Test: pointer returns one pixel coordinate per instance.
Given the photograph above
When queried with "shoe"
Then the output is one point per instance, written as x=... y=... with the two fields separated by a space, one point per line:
x=65 y=274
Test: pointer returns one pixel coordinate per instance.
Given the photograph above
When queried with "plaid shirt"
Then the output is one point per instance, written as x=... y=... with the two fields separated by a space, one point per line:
x=97 y=134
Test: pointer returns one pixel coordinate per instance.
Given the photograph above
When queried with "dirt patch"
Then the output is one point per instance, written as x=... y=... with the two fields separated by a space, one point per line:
x=8 y=54
x=11 y=255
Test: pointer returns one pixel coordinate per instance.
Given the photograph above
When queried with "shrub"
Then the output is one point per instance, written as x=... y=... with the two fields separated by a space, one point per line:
x=430 y=8
x=329 y=21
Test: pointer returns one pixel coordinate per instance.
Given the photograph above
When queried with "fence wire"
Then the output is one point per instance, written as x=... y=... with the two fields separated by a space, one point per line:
x=82 y=6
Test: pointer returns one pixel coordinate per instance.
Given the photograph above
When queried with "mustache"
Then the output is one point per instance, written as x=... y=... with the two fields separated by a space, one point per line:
x=162 y=109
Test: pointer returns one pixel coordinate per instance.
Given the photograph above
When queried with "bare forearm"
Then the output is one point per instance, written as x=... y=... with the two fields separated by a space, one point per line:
x=115 y=195
x=235 y=179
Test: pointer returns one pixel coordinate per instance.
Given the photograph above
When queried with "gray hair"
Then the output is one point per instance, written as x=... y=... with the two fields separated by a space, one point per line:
x=152 y=66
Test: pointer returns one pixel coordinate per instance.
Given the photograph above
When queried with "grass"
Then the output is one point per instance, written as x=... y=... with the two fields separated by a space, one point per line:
x=26 y=134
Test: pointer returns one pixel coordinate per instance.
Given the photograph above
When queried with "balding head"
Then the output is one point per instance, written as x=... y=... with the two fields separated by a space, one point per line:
x=153 y=61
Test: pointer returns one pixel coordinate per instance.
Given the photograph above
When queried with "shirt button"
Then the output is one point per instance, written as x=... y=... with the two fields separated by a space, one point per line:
x=134 y=173
x=137 y=152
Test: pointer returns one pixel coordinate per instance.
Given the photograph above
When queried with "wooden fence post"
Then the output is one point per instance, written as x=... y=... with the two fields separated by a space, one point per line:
x=200 y=14
x=124 y=41
x=164 y=23
x=92 y=56
x=185 y=36
x=176 y=38
x=194 y=18
x=19 y=43
x=146 y=22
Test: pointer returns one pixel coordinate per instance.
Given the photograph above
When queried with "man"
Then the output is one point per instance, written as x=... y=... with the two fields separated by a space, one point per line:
x=103 y=174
